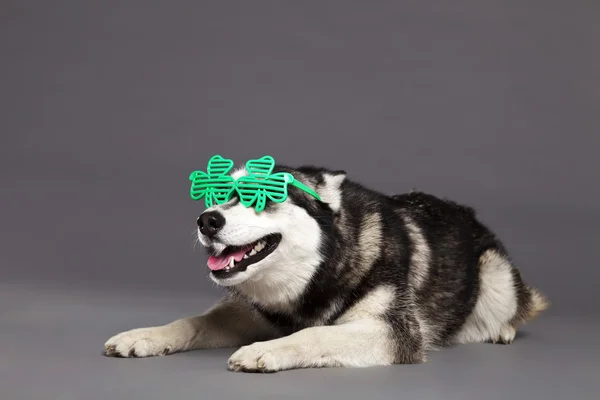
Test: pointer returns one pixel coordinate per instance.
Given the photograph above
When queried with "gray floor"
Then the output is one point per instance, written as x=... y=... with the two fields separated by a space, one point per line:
x=51 y=343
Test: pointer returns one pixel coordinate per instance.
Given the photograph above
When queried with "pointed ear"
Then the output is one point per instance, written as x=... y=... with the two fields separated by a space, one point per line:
x=330 y=189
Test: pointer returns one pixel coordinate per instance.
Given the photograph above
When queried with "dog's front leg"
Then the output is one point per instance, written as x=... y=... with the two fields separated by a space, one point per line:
x=228 y=324
x=359 y=343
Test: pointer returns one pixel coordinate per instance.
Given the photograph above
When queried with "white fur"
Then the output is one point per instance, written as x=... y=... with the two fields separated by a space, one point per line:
x=417 y=275
x=373 y=305
x=330 y=192
x=507 y=334
x=291 y=264
x=420 y=257
x=370 y=240
x=279 y=279
x=496 y=304
x=283 y=275
x=355 y=344
x=152 y=341
x=359 y=338
x=228 y=324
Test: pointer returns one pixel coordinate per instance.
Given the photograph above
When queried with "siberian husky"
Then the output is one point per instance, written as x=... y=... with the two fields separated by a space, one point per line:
x=357 y=279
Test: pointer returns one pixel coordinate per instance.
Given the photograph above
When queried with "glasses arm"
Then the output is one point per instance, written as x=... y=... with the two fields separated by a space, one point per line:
x=305 y=188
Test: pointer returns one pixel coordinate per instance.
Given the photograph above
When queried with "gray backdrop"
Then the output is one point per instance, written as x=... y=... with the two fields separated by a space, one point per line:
x=107 y=106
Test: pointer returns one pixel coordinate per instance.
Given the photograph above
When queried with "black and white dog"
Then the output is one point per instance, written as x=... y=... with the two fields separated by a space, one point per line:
x=358 y=279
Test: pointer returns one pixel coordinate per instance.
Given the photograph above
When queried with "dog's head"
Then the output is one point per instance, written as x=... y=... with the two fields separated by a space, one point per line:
x=285 y=239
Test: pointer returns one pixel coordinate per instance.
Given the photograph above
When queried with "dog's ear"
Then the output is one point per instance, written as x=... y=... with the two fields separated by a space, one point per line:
x=330 y=189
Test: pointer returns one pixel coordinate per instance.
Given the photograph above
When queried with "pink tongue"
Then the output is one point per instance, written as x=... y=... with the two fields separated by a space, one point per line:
x=220 y=262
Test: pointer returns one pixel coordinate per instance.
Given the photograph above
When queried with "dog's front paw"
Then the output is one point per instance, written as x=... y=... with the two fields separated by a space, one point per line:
x=259 y=357
x=142 y=342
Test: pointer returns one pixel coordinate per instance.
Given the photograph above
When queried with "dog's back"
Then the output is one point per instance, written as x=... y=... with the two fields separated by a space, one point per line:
x=465 y=287
x=451 y=277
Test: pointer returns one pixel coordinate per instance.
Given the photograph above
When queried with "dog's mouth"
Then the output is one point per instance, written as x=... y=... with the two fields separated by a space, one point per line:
x=238 y=258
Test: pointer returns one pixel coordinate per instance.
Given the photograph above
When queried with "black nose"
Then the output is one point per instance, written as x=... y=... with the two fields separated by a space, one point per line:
x=211 y=223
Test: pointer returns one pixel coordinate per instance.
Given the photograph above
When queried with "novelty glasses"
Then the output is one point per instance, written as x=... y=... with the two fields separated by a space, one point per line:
x=260 y=185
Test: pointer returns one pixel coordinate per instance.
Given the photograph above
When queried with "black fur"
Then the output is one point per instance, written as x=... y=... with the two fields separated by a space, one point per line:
x=456 y=240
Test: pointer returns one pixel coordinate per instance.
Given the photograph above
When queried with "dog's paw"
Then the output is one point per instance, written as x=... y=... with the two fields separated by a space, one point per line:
x=507 y=335
x=260 y=357
x=142 y=342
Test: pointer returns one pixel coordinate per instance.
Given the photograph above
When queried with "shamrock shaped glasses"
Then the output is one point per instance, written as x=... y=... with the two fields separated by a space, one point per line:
x=216 y=186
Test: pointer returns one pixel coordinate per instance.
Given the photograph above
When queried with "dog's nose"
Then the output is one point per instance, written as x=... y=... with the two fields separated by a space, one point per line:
x=211 y=223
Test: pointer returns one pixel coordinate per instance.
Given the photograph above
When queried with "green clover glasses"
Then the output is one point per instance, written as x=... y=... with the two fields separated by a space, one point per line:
x=260 y=185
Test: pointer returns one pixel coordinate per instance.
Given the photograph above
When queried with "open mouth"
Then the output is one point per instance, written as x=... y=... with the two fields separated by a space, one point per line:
x=237 y=258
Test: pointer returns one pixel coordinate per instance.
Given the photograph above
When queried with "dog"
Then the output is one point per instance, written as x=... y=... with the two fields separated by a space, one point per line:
x=355 y=279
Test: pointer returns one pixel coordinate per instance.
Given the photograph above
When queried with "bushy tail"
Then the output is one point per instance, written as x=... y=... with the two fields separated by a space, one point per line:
x=536 y=304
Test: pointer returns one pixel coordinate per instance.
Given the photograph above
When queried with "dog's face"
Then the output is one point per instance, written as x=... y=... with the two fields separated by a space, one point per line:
x=284 y=239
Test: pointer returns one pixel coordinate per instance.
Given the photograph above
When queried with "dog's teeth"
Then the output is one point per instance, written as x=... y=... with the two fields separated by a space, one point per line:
x=245 y=256
x=226 y=268
x=232 y=263
x=252 y=252
x=259 y=246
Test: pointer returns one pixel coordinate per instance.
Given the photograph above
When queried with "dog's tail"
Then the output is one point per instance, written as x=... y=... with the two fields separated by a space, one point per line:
x=535 y=304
